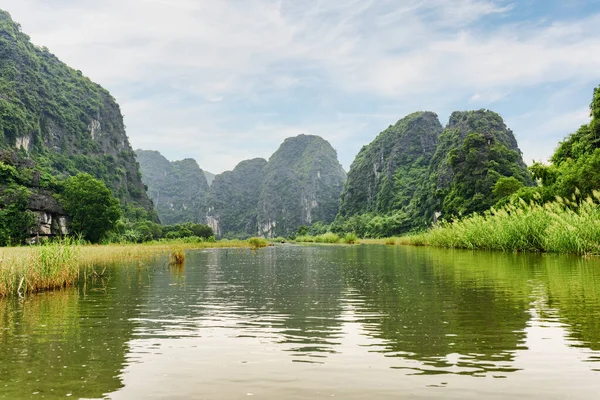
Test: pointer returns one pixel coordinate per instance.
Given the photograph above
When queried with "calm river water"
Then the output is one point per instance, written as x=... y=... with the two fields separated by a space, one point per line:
x=295 y=322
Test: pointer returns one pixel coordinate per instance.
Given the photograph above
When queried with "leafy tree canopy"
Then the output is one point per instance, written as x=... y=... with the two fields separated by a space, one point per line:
x=91 y=205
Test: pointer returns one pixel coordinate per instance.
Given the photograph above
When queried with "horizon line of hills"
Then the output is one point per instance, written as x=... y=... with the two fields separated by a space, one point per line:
x=415 y=170
x=56 y=123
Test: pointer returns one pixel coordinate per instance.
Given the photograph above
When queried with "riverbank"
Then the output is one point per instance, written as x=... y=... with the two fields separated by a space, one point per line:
x=562 y=226
x=35 y=268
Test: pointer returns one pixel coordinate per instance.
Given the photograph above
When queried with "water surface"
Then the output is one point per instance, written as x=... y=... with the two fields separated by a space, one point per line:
x=301 y=322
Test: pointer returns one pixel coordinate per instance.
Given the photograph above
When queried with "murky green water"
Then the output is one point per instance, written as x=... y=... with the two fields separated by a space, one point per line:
x=362 y=322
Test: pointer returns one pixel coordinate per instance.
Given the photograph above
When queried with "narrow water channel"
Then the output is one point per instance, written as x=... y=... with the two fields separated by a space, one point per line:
x=313 y=322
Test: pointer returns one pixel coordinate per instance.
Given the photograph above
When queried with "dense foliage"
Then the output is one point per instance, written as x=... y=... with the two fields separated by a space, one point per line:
x=414 y=173
x=233 y=199
x=301 y=184
x=16 y=220
x=56 y=123
x=147 y=231
x=575 y=165
x=176 y=188
x=386 y=173
x=93 y=209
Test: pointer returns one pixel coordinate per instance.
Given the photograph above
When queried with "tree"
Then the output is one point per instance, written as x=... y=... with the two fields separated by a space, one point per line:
x=15 y=220
x=92 y=207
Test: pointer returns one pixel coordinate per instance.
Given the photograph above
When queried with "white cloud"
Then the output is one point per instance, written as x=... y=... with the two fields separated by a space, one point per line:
x=193 y=71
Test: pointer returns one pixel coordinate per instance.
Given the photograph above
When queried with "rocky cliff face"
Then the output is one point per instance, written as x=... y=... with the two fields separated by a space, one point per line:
x=386 y=173
x=301 y=185
x=62 y=122
x=416 y=171
x=232 y=200
x=177 y=188
x=475 y=150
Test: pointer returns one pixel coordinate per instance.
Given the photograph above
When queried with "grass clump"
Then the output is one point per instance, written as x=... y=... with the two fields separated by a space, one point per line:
x=328 y=237
x=257 y=242
x=350 y=238
x=561 y=226
x=50 y=266
x=177 y=257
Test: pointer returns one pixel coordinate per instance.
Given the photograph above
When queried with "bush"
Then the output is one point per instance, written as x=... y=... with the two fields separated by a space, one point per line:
x=350 y=238
x=257 y=242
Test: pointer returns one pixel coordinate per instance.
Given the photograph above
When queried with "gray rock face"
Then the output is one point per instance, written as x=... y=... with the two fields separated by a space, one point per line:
x=386 y=173
x=233 y=199
x=50 y=218
x=301 y=185
x=177 y=188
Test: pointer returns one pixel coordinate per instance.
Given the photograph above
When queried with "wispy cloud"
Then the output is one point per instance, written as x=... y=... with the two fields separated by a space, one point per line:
x=225 y=80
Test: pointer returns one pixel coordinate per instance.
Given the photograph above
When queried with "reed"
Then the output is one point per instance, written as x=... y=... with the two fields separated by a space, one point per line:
x=54 y=265
x=561 y=226
x=177 y=257
x=50 y=266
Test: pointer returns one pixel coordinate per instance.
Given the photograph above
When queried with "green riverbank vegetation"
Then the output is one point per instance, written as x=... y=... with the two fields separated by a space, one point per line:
x=560 y=213
x=560 y=226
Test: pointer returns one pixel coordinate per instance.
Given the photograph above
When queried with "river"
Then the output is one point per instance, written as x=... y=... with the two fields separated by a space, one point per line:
x=312 y=322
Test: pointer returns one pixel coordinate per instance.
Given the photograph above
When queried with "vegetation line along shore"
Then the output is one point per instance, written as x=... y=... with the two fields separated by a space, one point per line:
x=561 y=226
x=58 y=264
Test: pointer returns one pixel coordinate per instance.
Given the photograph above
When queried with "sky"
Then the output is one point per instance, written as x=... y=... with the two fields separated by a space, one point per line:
x=226 y=80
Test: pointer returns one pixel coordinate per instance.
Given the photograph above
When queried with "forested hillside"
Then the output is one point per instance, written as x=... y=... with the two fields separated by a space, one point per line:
x=575 y=165
x=415 y=173
x=385 y=173
x=476 y=160
x=233 y=199
x=177 y=188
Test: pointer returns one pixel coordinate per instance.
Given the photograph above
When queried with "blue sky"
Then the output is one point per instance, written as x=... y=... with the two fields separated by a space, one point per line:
x=222 y=81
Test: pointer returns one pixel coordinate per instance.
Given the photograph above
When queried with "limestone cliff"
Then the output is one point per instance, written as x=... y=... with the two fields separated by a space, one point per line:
x=232 y=200
x=177 y=188
x=301 y=185
x=386 y=173
x=61 y=123
x=475 y=150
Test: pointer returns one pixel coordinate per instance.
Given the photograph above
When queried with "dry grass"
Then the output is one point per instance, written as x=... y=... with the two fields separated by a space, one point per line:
x=31 y=269
x=177 y=258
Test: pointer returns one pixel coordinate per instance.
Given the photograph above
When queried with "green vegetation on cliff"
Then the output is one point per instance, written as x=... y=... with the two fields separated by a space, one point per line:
x=476 y=152
x=385 y=173
x=414 y=172
x=301 y=185
x=575 y=165
x=233 y=198
x=559 y=215
x=56 y=123
x=177 y=188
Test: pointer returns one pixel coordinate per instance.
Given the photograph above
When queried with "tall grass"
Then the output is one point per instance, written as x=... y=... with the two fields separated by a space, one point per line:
x=50 y=266
x=350 y=238
x=54 y=265
x=562 y=226
x=324 y=238
x=177 y=258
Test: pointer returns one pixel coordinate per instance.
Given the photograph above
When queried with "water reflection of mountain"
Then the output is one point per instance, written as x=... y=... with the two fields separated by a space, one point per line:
x=457 y=312
x=291 y=297
x=71 y=342
x=440 y=315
